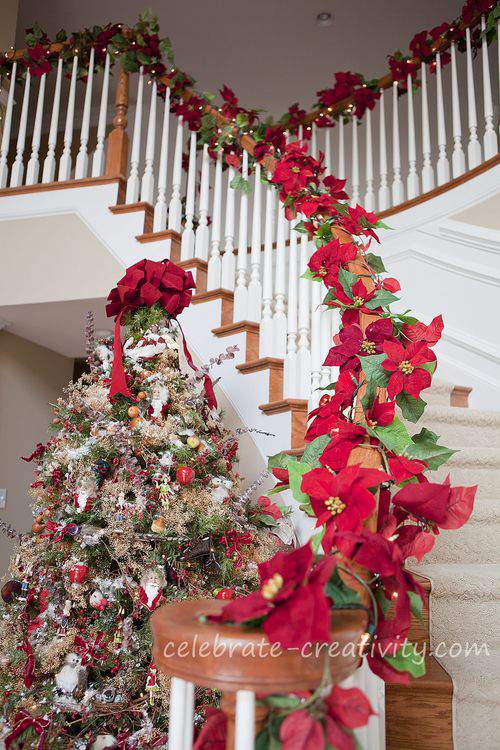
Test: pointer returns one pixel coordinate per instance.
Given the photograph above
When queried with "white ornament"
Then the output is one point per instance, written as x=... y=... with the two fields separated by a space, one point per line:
x=166 y=459
x=221 y=488
x=103 y=741
x=105 y=354
x=97 y=600
x=159 y=399
x=150 y=346
x=72 y=675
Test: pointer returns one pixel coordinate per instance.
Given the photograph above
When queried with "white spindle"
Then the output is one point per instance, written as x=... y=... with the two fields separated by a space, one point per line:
x=254 y=285
x=412 y=183
x=244 y=734
x=304 y=353
x=34 y=162
x=214 y=264
x=355 y=163
x=98 y=158
x=187 y=241
x=177 y=715
x=443 y=166
x=201 y=234
x=279 y=316
x=17 y=172
x=82 y=159
x=458 y=156
x=132 y=195
x=49 y=164
x=316 y=353
x=189 y=717
x=427 y=170
x=397 y=182
x=266 y=323
x=65 y=160
x=490 y=137
x=325 y=342
x=240 y=288
x=175 y=205
x=341 y=167
x=148 y=178
x=314 y=141
x=328 y=152
x=160 y=214
x=290 y=384
x=7 y=124
x=228 y=261
x=370 y=194
x=474 y=147
x=384 y=195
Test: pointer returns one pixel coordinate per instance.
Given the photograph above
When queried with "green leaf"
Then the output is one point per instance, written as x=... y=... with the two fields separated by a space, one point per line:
x=339 y=593
x=296 y=471
x=382 y=600
x=416 y=605
x=241 y=120
x=166 y=49
x=394 y=436
x=314 y=450
x=347 y=280
x=429 y=366
x=300 y=227
x=317 y=539
x=408 y=659
x=381 y=225
x=308 y=274
x=375 y=262
x=279 y=461
x=424 y=447
x=382 y=298
x=265 y=519
x=282 y=701
x=374 y=372
x=412 y=408
x=239 y=183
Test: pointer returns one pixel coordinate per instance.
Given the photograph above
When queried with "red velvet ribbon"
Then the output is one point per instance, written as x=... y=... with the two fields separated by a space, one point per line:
x=23 y=721
x=145 y=284
x=29 y=664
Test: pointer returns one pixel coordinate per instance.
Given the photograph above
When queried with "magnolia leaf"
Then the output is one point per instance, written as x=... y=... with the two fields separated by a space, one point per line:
x=374 y=372
x=416 y=605
x=296 y=471
x=347 y=280
x=375 y=262
x=408 y=659
x=412 y=408
x=424 y=447
x=314 y=450
x=382 y=298
x=394 y=436
x=339 y=593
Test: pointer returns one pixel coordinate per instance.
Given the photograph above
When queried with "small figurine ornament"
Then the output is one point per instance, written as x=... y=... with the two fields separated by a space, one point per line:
x=103 y=741
x=152 y=682
x=72 y=676
x=151 y=588
x=97 y=600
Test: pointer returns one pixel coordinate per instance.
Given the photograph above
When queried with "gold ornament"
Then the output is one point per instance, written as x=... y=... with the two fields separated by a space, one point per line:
x=158 y=525
x=133 y=411
x=193 y=441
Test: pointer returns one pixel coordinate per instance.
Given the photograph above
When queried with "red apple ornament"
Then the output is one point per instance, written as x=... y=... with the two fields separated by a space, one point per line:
x=78 y=573
x=185 y=475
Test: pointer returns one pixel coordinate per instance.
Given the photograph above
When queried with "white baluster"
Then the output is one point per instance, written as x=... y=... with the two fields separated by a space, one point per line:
x=314 y=141
x=279 y=316
x=82 y=159
x=304 y=353
x=228 y=260
x=397 y=183
x=187 y=241
x=474 y=147
x=355 y=163
x=341 y=168
x=4 y=149
x=240 y=289
x=65 y=160
x=132 y=195
x=370 y=194
x=175 y=205
x=189 y=717
x=328 y=152
x=148 y=178
x=49 y=164
x=412 y=182
x=160 y=214
x=244 y=734
x=490 y=137
x=325 y=343
x=34 y=162
x=201 y=234
x=177 y=714
x=427 y=170
x=458 y=156
x=17 y=172
x=214 y=264
x=316 y=353
x=254 y=285
x=98 y=158
x=443 y=166
x=384 y=195
x=266 y=323
x=290 y=384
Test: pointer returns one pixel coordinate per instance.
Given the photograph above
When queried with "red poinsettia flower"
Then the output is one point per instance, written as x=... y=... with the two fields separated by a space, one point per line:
x=213 y=732
x=391 y=285
x=441 y=504
x=349 y=706
x=268 y=508
x=400 y=69
x=291 y=597
x=343 y=501
x=360 y=295
x=191 y=111
x=329 y=413
x=364 y=98
x=414 y=541
x=420 y=45
x=405 y=366
x=420 y=332
x=274 y=140
x=403 y=468
x=37 y=60
x=359 y=222
x=296 y=170
x=345 y=82
x=335 y=187
x=350 y=343
x=381 y=413
x=282 y=476
x=326 y=261
x=345 y=437
x=317 y=206
x=390 y=636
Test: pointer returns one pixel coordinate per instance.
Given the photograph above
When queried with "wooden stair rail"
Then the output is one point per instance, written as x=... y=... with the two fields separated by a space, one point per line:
x=117 y=153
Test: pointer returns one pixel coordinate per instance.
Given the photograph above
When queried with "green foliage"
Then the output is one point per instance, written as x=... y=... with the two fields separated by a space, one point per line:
x=375 y=262
x=340 y=594
x=394 y=436
x=424 y=446
x=374 y=372
x=408 y=659
x=411 y=408
x=140 y=320
x=239 y=183
x=314 y=450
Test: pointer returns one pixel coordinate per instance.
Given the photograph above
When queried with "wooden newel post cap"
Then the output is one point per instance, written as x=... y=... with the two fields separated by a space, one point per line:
x=232 y=657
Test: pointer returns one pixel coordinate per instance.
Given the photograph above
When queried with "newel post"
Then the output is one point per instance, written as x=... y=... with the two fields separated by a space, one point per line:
x=117 y=153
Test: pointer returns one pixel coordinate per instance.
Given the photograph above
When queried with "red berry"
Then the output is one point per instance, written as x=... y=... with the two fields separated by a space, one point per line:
x=325 y=398
x=225 y=594
x=185 y=475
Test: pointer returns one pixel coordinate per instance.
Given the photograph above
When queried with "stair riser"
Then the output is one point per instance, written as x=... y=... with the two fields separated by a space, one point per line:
x=476 y=542
x=466 y=623
x=486 y=477
x=456 y=434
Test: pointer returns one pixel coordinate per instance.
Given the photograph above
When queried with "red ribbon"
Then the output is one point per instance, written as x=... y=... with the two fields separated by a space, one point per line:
x=23 y=721
x=58 y=531
x=29 y=664
x=145 y=284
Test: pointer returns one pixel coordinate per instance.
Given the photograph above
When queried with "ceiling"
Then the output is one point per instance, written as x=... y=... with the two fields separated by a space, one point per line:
x=272 y=52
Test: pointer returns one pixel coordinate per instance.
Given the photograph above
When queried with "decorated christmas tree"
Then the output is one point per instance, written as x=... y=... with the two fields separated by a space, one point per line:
x=136 y=503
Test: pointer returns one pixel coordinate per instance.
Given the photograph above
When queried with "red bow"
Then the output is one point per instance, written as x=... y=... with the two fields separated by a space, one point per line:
x=145 y=284
x=23 y=721
x=29 y=664
x=58 y=531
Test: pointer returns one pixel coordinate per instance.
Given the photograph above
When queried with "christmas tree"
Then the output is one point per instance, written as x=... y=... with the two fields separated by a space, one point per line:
x=136 y=503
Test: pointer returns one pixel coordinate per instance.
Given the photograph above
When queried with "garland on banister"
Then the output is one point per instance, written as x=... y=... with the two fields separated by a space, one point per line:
x=141 y=46
x=386 y=360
